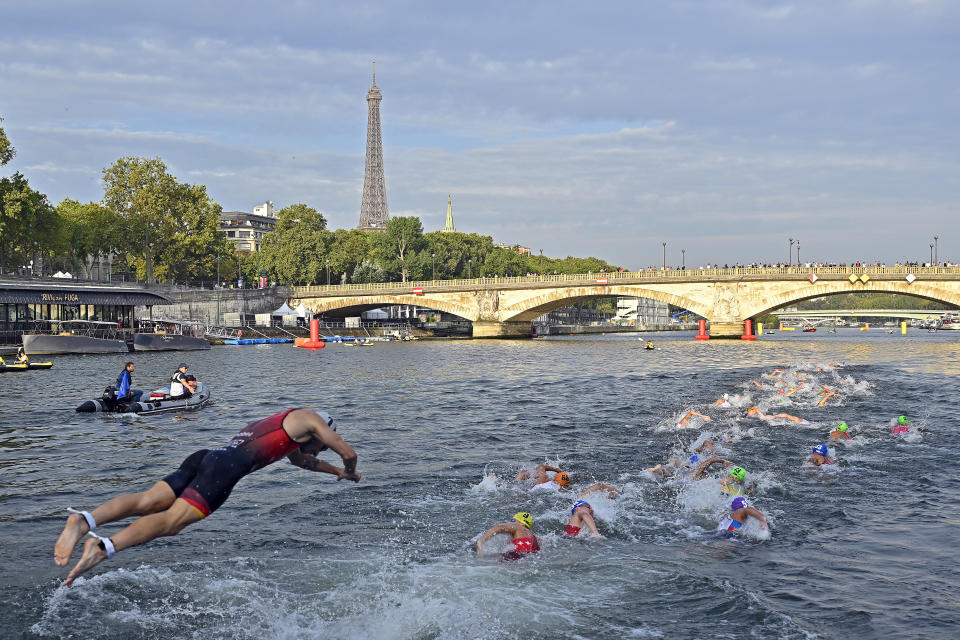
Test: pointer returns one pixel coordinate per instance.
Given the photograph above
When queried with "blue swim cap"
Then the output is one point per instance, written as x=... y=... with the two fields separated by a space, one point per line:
x=821 y=449
x=738 y=503
x=577 y=505
x=694 y=458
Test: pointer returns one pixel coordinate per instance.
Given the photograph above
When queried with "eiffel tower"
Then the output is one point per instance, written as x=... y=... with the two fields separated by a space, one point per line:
x=373 y=210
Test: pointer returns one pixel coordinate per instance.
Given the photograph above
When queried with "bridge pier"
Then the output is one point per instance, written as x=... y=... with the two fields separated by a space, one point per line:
x=488 y=329
x=725 y=330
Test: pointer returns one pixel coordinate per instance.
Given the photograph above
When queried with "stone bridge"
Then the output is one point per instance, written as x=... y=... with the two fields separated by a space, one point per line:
x=505 y=307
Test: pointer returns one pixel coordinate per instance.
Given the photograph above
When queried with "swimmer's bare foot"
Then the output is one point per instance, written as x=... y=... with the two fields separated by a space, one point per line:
x=75 y=529
x=92 y=556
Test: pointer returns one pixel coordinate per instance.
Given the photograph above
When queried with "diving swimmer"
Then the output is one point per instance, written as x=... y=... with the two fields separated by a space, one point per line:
x=202 y=483
x=840 y=432
x=520 y=528
x=740 y=510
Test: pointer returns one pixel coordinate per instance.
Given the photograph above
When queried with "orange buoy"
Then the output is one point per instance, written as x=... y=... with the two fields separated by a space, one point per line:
x=314 y=342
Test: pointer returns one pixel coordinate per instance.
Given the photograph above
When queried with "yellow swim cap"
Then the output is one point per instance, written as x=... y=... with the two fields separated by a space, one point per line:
x=525 y=519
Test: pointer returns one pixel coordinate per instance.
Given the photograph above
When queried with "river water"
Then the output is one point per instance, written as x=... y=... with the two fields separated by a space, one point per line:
x=863 y=549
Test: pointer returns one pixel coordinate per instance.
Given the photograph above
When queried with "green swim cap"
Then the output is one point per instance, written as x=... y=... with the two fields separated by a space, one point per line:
x=739 y=473
x=842 y=427
x=903 y=420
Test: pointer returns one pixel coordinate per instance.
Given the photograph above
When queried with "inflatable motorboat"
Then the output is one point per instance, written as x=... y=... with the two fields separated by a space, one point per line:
x=159 y=401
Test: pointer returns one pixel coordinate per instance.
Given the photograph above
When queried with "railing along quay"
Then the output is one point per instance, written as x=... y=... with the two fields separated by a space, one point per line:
x=626 y=277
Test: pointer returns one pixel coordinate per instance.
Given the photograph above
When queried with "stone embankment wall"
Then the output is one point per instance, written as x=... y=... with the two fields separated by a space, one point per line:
x=200 y=305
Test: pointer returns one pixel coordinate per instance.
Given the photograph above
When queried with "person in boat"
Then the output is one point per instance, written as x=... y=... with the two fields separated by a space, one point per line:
x=754 y=412
x=520 y=528
x=819 y=456
x=202 y=483
x=125 y=392
x=181 y=384
x=22 y=357
x=740 y=510
x=543 y=482
x=840 y=432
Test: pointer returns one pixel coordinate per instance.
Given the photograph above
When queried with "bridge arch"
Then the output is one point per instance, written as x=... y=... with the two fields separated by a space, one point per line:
x=540 y=302
x=926 y=290
x=324 y=305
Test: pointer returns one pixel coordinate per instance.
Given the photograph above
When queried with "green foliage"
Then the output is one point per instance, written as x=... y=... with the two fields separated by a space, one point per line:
x=172 y=224
x=88 y=230
x=398 y=246
x=868 y=301
x=350 y=248
x=368 y=271
x=6 y=148
x=297 y=250
x=28 y=224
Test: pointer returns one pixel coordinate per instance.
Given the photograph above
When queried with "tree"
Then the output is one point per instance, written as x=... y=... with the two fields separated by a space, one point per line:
x=368 y=271
x=89 y=230
x=6 y=149
x=295 y=252
x=195 y=236
x=398 y=245
x=349 y=249
x=27 y=222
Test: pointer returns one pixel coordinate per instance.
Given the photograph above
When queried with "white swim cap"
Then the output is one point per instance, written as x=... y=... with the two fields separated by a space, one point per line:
x=327 y=418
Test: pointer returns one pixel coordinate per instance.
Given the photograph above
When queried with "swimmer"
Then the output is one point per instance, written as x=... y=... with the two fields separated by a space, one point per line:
x=754 y=412
x=520 y=530
x=202 y=483
x=901 y=426
x=701 y=471
x=686 y=418
x=543 y=483
x=723 y=401
x=740 y=510
x=840 y=432
x=826 y=397
x=666 y=469
x=735 y=481
x=819 y=456
x=612 y=492
x=581 y=514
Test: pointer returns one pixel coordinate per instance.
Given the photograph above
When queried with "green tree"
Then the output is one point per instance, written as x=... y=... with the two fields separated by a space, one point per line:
x=89 y=230
x=399 y=244
x=27 y=223
x=452 y=251
x=350 y=248
x=296 y=251
x=195 y=236
x=6 y=149
x=368 y=271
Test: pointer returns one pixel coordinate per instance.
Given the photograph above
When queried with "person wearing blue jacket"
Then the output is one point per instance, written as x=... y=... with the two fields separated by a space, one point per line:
x=125 y=392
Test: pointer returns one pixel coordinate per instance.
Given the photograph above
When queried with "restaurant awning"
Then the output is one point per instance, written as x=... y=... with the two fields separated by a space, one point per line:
x=57 y=294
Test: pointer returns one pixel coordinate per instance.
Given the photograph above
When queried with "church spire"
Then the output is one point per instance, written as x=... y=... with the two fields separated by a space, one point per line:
x=449 y=228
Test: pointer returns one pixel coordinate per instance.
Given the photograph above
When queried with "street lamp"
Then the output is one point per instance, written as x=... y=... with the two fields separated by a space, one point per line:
x=328 y=272
x=683 y=258
x=541 y=261
x=791 y=253
x=434 y=256
x=936 y=249
x=469 y=267
x=931 y=254
x=798 y=252
x=664 y=256
x=218 y=285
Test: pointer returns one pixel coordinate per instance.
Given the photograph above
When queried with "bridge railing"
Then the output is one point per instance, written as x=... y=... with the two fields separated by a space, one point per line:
x=490 y=282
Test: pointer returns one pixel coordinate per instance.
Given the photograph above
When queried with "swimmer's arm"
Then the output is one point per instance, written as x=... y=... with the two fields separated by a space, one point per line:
x=332 y=440
x=547 y=467
x=702 y=469
x=706 y=445
x=312 y=463
x=492 y=531
x=759 y=516
x=599 y=486
x=587 y=519
x=696 y=413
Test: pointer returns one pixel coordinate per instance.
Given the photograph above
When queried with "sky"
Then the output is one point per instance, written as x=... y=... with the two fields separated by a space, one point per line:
x=605 y=129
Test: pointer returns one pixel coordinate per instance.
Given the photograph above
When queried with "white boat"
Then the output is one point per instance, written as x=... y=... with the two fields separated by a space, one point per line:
x=75 y=336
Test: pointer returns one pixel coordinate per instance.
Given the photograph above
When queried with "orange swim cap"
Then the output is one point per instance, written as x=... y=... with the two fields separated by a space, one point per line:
x=562 y=478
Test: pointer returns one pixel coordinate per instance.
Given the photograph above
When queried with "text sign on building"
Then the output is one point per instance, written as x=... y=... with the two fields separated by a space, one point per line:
x=418 y=291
